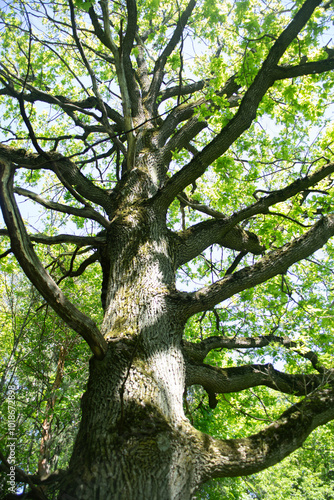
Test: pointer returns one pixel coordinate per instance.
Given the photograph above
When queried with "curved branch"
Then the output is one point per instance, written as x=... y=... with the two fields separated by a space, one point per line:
x=275 y=262
x=185 y=89
x=80 y=241
x=64 y=169
x=240 y=457
x=27 y=258
x=158 y=71
x=309 y=68
x=246 y=113
x=87 y=212
x=200 y=236
x=64 y=103
x=299 y=185
x=234 y=379
x=25 y=478
x=194 y=126
x=81 y=269
x=197 y=352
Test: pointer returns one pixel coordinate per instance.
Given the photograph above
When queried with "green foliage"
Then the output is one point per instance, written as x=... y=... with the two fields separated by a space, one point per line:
x=32 y=339
x=84 y=4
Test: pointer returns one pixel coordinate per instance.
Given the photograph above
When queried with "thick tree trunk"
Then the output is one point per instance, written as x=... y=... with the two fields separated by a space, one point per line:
x=132 y=439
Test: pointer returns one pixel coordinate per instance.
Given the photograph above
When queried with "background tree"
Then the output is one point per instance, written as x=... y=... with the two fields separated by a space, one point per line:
x=186 y=150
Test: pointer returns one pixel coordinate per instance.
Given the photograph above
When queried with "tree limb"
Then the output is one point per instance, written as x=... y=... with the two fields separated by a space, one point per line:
x=200 y=236
x=240 y=457
x=25 y=478
x=185 y=89
x=199 y=350
x=34 y=270
x=186 y=110
x=128 y=41
x=186 y=251
x=238 y=378
x=81 y=269
x=308 y=68
x=275 y=262
x=62 y=167
x=87 y=212
x=64 y=103
x=158 y=71
x=246 y=113
x=80 y=241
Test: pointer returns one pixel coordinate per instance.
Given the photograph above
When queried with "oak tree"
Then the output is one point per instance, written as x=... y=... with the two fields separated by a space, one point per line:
x=186 y=143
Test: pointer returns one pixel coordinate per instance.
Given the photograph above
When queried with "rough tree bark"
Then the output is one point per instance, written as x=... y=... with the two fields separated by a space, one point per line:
x=134 y=441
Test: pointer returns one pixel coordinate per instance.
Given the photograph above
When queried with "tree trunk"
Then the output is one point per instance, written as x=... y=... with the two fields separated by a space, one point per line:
x=132 y=439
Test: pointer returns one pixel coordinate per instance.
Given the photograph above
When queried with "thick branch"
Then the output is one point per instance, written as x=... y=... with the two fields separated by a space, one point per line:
x=276 y=262
x=66 y=104
x=63 y=168
x=83 y=266
x=234 y=379
x=25 y=478
x=185 y=89
x=142 y=72
x=187 y=110
x=197 y=352
x=263 y=204
x=88 y=212
x=199 y=237
x=309 y=68
x=126 y=48
x=247 y=110
x=80 y=241
x=240 y=457
x=160 y=63
x=37 y=274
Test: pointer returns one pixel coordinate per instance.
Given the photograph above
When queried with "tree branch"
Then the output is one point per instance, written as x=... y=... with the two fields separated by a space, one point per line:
x=34 y=270
x=122 y=71
x=81 y=269
x=226 y=224
x=308 y=68
x=275 y=262
x=197 y=352
x=240 y=457
x=194 y=126
x=80 y=241
x=238 y=378
x=185 y=89
x=246 y=112
x=25 y=478
x=87 y=212
x=62 y=167
x=200 y=236
x=64 y=103
x=158 y=71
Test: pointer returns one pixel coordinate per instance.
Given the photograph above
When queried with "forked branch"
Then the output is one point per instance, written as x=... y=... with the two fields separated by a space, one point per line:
x=246 y=113
x=31 y=265
x=65 y=169
x=200 y=236
x=238 y=378
x=240 y=457
x=87 y=212
x=197 y=352
x=272 y=264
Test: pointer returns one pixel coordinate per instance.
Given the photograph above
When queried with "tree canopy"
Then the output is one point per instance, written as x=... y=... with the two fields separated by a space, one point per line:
x=166 y=186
